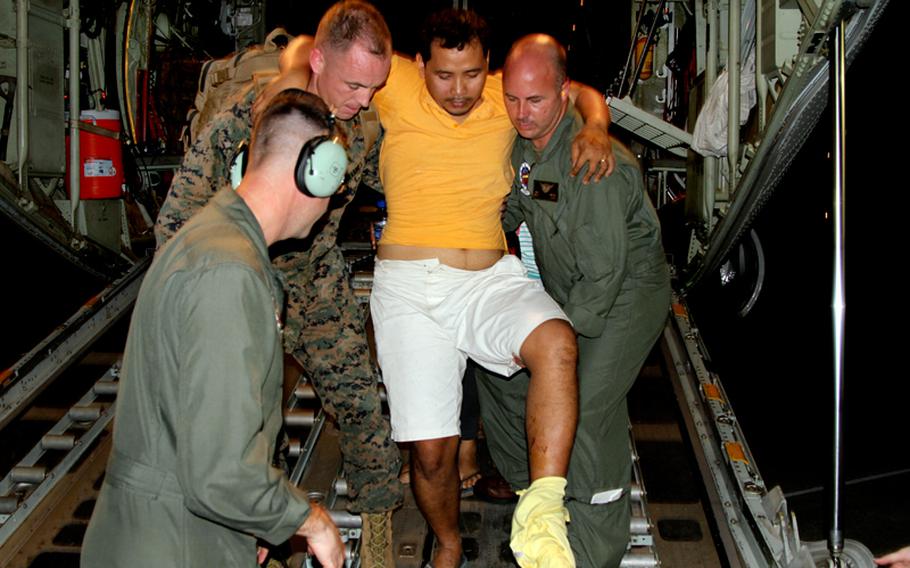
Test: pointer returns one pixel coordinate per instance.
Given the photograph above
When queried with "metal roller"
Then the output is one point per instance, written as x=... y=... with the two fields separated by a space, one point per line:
x=84 y=413
x=8 y=504
x=294 y=447
x=639 y=525
x=636 y=492
x=341 y=487
x=26 y=474
x=300 y=417
x=639 y=559
x=305 y=391
x=106 y=387
x=366 y=277
x=345 y=520
x=58 y=442
x=349 y=554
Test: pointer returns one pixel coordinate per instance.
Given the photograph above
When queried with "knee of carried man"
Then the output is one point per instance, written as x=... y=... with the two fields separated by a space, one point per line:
x=430 y=457
x=553 y=339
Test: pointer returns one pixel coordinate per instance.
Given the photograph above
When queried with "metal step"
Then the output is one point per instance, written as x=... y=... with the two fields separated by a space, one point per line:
x=643 y=124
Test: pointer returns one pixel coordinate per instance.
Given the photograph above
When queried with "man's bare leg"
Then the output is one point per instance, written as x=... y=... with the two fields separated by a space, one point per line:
x=434 y=479
x=550 y=353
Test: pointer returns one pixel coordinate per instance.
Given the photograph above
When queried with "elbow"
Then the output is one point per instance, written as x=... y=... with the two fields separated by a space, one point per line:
x=200 y=496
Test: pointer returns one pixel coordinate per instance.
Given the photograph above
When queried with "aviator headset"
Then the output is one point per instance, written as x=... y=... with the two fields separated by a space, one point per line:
x=319 y=171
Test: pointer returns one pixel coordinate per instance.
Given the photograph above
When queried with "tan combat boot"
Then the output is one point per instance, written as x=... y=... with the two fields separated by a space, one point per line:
x=376 y=540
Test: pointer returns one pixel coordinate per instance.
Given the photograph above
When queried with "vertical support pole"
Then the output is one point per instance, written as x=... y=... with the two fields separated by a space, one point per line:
x=701 y=36
x=839 y=304
x=733 y=74
x=23 y=74
x=760 y=85
x=713 y=38
x=712 y=183
x=75 y=158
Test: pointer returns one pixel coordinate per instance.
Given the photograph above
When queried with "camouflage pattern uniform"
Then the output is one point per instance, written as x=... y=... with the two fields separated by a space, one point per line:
x=325 y=326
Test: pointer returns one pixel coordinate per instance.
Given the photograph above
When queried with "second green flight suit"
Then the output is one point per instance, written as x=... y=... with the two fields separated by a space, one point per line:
x=600 y=257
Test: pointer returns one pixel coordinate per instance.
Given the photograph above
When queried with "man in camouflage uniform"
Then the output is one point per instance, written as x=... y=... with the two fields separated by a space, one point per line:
x=325 y=328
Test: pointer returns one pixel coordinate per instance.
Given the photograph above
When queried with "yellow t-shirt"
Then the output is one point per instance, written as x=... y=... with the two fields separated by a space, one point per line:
x=444 y=181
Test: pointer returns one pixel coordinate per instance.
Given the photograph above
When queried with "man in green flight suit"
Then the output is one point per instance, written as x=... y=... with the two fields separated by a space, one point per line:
x=190 y=480
x=325 y=329
x=599 y=253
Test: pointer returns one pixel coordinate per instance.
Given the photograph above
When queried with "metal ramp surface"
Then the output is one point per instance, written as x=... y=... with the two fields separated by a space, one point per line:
x=50 y=489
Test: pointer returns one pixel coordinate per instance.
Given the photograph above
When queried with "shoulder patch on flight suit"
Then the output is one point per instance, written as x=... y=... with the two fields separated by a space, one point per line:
x=545 y=190
x=524 y=174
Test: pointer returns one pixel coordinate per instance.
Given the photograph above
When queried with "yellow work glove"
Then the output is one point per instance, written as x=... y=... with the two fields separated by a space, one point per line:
x=539 y=536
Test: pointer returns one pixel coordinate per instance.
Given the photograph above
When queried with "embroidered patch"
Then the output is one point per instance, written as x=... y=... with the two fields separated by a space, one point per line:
x=524 y=174
x=545 y=190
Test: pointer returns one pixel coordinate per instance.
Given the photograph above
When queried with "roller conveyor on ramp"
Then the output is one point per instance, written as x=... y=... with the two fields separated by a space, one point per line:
x=705 y=503
x=47 y=495
x=485 y=529
x=485 y=526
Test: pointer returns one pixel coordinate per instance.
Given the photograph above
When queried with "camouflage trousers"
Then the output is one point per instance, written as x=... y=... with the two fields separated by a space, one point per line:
x=325 y=332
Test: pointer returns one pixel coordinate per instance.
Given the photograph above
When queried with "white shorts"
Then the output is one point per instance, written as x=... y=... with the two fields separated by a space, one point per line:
x=429 y=317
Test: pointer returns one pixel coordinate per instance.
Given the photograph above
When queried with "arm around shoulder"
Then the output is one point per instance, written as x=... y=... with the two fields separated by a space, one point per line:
x=592 y=144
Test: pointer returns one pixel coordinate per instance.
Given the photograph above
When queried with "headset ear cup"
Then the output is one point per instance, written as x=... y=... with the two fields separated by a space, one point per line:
x=324 y=167
x=239 y=163
x=303 y=159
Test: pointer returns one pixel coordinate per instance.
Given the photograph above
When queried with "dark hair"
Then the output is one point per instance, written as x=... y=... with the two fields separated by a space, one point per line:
x=271 y=133
x=351 y=20
x=454 y=29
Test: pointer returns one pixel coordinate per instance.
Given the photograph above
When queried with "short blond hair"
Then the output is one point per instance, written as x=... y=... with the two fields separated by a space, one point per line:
x=349 y=21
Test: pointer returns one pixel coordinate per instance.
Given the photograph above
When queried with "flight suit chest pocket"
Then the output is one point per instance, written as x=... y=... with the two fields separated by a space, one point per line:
x=542 y=202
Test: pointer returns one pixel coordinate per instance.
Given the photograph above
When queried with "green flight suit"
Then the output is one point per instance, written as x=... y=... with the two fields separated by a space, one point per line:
x=325 y=328
x=600 y=257
x=190 y=480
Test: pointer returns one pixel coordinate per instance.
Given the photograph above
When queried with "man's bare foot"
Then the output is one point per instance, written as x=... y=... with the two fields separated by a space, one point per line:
x=467 y=480
x=470 y=480
x=468 y=468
